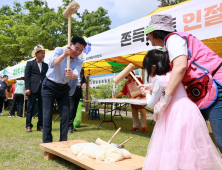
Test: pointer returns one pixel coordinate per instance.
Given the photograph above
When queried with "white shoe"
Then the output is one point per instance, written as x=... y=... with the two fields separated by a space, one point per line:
x=13 y=115
x=1 y=114
x=9 y=116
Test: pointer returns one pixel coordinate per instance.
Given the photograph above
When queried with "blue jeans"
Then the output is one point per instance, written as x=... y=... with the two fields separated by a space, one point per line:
x=214 y=114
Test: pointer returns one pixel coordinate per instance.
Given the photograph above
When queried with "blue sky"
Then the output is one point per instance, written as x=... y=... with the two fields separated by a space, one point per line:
x=120 y=11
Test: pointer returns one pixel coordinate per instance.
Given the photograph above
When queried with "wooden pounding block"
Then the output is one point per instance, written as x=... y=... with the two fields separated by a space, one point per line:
x=49 y=156
x=63 y=150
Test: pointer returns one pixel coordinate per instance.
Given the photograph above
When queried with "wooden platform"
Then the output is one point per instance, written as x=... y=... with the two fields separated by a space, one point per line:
x=62 y=149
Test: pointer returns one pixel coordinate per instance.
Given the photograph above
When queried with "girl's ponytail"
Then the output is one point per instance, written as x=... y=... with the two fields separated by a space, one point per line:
x=158 y=58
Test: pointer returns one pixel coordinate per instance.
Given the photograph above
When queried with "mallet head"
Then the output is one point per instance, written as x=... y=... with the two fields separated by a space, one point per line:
x=73 y=6
x=124 y=73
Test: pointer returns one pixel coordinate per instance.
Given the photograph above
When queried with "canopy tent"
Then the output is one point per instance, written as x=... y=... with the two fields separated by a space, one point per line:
x=110 y=51
x=16 y=71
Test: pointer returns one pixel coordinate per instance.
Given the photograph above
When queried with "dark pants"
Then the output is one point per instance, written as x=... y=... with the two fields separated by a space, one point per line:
x=20 y=99
x=214 y=114
x=50 y=92
x=2 y=99
x=30 y=107
x=74 y=102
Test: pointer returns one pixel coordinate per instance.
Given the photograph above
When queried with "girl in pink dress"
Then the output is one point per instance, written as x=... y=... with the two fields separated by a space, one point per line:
x=180 y=139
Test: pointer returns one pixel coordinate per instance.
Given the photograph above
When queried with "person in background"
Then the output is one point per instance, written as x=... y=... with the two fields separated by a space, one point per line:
x=13 y=90
x=55 y=86
x=135 y=108
x=35 y=73
x=17 y=105
x=75 y=93
x=3 y=91
x=18 y=97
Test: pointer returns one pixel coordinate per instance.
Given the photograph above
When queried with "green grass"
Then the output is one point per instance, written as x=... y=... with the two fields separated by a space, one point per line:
x=20 y=150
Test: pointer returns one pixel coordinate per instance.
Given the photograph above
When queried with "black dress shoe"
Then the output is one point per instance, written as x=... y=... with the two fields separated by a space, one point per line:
x=75 y=129
x=40 y=128
x=70 y=131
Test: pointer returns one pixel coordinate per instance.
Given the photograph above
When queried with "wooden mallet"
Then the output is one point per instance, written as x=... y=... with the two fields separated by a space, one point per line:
x=124 y=142
x=102 y=142
x=125 y=73
x=73 y=6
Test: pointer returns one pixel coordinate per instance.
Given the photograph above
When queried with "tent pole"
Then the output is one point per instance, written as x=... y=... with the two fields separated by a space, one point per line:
x=143 y=75
x=87 y=93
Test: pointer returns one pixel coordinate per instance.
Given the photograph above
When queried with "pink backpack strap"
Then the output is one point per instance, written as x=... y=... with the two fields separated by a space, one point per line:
x=166 y=38
x=184 y=37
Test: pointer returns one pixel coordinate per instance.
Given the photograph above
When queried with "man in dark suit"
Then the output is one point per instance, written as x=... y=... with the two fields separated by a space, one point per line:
x=75 y=93
x=35 y=73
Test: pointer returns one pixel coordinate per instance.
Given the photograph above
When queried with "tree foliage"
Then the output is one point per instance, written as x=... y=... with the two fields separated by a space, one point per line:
x=164 y=3
x=23 y=27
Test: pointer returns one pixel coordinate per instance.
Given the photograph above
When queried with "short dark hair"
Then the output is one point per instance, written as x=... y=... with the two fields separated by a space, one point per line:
x=158 y=58
x=130 y=74
x=21 y=78
x=4 y=76
x=160 y=34
x=78 y=39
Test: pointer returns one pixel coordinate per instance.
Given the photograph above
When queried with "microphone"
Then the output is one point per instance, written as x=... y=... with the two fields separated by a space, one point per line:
x=147 y=43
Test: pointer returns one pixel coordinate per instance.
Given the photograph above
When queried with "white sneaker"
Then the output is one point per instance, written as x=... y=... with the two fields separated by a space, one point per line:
x=1 y=114
x=9 y=116
x=13 y=115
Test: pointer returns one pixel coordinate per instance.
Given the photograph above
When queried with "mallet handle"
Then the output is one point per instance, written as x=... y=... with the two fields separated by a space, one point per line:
x=135 y=78
x=69 y=39
x=125 y=141
x=114 y=135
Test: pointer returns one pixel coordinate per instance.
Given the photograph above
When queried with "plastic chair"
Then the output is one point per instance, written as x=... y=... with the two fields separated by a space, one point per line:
x=94 y=114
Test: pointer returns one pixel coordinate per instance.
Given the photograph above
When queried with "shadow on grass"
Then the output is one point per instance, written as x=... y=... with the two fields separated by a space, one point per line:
x=67 y=164
x=125 y=124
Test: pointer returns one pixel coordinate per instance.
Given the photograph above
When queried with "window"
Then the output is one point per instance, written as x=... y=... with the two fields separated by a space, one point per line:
x=108 y=80
x=99 y=81
x=105 y=81
x=137 y=72
x=102 y=81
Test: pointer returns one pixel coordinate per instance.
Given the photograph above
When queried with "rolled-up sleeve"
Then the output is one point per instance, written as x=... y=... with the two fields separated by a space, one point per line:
x=153 y=98
x=78 y=67
x=56 y=53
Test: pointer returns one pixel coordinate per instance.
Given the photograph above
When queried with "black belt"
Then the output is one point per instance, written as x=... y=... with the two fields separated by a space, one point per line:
x=216 y=69
x=59 y=84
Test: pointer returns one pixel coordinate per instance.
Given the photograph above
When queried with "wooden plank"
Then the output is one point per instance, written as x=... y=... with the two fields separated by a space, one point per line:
x=122 y=99
x=63 y=150
x=49 y=156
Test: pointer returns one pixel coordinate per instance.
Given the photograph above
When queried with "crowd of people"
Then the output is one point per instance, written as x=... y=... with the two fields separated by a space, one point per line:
x=182 y=96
